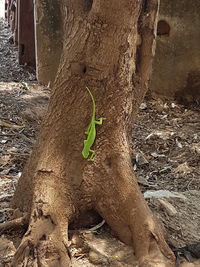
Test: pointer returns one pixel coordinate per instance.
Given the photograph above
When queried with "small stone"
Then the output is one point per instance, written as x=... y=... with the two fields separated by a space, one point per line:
x=173 y=105
x=3 y=141
x=143 y=106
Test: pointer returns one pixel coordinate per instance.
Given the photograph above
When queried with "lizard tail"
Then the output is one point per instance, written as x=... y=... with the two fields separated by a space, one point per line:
x=93 y=102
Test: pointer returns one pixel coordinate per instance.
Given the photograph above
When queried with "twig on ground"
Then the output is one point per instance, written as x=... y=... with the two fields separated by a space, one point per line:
x=16 y=223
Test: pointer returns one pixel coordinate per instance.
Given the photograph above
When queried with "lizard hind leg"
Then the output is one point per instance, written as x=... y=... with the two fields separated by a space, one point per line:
x=85 y=151
x=91 y=158
x=88 y=129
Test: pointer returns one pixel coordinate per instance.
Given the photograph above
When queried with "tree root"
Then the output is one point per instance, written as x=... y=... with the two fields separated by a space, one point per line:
x=43 y=245
x=14 y=224
x=155 y=257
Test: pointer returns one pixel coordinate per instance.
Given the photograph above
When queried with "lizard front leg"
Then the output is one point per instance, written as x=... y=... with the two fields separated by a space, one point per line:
x=99 y=121
x=91 y=158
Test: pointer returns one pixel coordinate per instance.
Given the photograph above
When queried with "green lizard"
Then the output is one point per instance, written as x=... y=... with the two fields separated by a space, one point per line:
x=91 y=132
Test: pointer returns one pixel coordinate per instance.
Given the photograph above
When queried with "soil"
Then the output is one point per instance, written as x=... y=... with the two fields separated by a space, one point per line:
x=165 y=156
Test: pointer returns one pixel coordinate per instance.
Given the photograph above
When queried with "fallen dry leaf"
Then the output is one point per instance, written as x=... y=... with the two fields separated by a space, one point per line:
x=183 y=168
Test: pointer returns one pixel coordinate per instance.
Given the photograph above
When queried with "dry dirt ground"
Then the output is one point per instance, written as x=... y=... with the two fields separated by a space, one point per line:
x=165 y=156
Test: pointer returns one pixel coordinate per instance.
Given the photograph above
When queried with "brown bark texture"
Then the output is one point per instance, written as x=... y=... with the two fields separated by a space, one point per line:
x=26 y=35
x=108 y=46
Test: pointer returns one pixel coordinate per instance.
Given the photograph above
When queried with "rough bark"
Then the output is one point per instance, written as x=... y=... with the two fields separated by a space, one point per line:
x=101 y=50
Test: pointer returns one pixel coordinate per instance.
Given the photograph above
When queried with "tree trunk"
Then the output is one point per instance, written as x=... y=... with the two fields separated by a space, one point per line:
x=48 y=37
x=101 y=51
x=26 y=32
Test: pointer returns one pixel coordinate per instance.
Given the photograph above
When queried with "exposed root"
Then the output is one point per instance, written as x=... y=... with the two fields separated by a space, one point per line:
x=14 y=224
x=43 y=245
x=155 y=258
x=43 y=253
x=130 y=218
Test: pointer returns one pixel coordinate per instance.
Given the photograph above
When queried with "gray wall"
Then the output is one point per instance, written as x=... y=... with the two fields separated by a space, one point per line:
x=176 y=68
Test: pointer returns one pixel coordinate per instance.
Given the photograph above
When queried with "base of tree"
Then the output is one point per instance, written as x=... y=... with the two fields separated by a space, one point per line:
x=44 y=244
x=46 y=241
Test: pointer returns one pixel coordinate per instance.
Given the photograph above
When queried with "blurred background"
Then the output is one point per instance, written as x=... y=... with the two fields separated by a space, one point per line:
x=1 y=8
